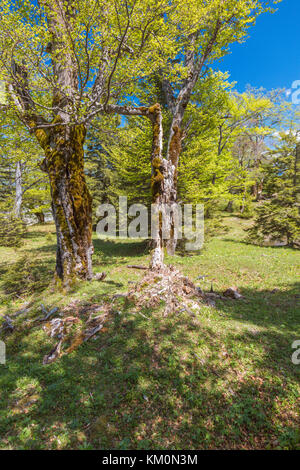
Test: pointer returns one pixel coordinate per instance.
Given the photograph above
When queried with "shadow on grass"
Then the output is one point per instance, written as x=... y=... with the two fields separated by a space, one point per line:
x=113 y=249
x=49 y=248
x=105 y=251
x=172 y=383
x=266 y=308
x=249 y=243
x=26 y=276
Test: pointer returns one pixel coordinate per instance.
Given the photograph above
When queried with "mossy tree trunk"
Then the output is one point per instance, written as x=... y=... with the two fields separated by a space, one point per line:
x=163 y=177
x=18 y=190
x=71 y=201
x=157 y=186
x=174 y=150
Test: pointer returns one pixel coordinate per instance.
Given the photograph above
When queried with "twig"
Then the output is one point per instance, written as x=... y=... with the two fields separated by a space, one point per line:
x=133 y=266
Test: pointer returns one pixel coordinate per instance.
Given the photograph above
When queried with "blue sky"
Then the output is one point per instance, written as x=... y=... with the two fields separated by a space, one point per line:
x=270 y=57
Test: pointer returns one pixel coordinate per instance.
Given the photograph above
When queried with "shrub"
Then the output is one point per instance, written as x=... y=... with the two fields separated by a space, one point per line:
x=12 y=231
x=25 y=277
x=276 y=222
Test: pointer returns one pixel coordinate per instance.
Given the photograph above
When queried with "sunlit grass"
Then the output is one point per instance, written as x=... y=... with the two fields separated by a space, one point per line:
x=224 y=379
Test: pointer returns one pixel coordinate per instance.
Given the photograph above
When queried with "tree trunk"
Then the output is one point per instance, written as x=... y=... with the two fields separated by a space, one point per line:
x=163 y=175
x=260 y=190
x=257 y=190
x=229 y=207
x=18 y=192
x=175 y=144
x=157 y=186
x=296 y=178
x=40 y=217
x=71 y=201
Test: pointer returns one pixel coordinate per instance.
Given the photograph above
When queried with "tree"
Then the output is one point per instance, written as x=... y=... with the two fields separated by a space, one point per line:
x=208 y=172
x=278 y=218
x=84 y=58
x=218 y=119
x=24 y=185
x=221 y=24
x=65 y=61
x=217 y=25
x=101 y=174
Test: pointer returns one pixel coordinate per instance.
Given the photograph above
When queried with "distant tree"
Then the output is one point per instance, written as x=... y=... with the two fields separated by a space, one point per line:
x=278 y=218
x=23 y=184
x=101 y=174
x=219 y=119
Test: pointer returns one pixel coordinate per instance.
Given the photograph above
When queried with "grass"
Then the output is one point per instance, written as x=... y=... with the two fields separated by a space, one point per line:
x=223 y=379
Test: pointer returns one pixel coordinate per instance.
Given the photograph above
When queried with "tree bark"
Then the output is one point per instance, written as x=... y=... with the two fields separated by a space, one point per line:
x=260 y=187
x=296 y=178
x=257 y=190
x=174 y=150
x=162 y=179
x=158 y=170
x=71 y=201
x=18 y=191
x=40 y=217
x=229 y=207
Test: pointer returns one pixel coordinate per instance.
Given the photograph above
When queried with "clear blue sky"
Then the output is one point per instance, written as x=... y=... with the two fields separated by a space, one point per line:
x=270 y=57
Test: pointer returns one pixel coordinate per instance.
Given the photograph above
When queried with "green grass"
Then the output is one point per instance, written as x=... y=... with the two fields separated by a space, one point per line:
x=223 y=379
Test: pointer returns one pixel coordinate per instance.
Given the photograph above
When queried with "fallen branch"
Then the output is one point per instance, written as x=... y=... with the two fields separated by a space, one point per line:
x=136 y=266
x=8 y=325
x=47 y=314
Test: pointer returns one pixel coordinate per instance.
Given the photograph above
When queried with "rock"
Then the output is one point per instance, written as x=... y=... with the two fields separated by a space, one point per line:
x=8 y=325
x=99 y=276
x=233 y=293
x=199 y=291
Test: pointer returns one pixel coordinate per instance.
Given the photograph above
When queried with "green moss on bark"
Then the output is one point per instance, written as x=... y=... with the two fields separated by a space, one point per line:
x=72 y=203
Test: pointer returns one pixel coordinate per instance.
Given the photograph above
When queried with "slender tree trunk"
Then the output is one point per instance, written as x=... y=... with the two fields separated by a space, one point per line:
x=157 y=188
x=19 y=190
x=71 y=201
x=260 y=187
x=229 y=207
x=174 y=150
x=40 y=217
x=162 y=187
x=257 y=189
x=296 y=178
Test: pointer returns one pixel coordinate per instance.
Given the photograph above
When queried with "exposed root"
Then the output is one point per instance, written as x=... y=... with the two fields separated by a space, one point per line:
x=169 y=287
x=72 y=331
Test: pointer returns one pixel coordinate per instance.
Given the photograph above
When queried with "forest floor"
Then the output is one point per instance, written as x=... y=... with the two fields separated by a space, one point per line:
x=222 y=378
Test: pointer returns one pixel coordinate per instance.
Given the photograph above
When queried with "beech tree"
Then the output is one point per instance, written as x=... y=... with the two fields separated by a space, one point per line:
x=216 y=24
x=223 y=22
x=63 y=62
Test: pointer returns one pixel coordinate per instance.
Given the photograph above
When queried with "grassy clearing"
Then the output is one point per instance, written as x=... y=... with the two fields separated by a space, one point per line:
x=224 y=379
